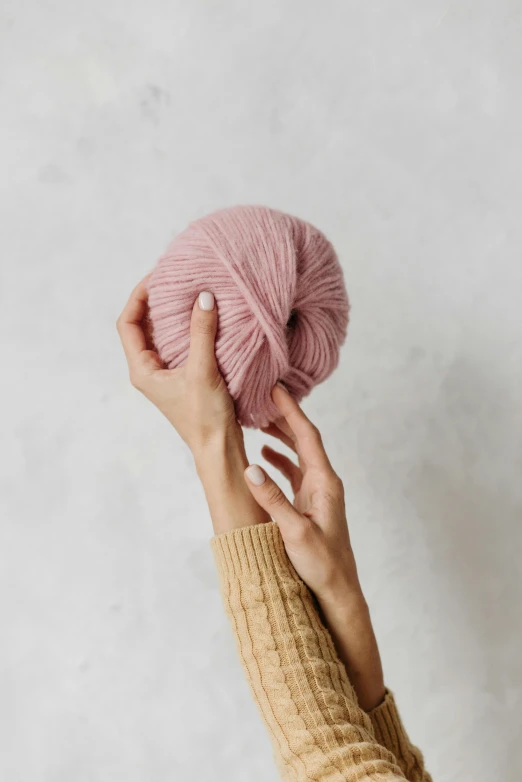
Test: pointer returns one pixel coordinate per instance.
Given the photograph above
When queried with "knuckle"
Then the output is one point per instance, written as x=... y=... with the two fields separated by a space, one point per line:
x=314 y=434
x=196 y=375
x=135 y=379
x=302 y=532
x=333 y=488
x=214 y=379
x=201 y=376
x=336 y=485
x=314 y=431
x=204 y=327
x=275 y=496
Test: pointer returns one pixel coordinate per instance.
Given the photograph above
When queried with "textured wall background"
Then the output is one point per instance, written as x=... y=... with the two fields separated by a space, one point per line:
x=396 y=128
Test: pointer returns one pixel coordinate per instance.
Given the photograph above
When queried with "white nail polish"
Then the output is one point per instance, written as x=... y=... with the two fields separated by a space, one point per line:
x=255 y=475
x=206 y=301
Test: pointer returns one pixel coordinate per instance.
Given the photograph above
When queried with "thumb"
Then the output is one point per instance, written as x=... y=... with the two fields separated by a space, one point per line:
x=272 y=499
x=203 y=326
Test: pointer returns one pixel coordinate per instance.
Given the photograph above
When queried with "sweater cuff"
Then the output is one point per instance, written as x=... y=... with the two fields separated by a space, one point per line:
x=256 y=552
x=388 y=727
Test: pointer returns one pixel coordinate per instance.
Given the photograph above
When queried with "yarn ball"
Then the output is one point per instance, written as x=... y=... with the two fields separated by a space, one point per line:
x=281 y=301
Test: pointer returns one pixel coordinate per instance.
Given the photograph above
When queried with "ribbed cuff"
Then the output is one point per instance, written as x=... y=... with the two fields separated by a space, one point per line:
x=255 y=552
x=388 y=726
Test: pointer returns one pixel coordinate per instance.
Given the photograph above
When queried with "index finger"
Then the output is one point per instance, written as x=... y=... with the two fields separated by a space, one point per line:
x=307 y=437
x=129 y=323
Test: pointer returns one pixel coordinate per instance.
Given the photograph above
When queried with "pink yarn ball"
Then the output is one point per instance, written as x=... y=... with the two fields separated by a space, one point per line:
x=282 y=305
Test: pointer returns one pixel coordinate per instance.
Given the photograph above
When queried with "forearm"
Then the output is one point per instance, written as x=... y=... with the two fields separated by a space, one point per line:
x=348 y=618
x=220 y=465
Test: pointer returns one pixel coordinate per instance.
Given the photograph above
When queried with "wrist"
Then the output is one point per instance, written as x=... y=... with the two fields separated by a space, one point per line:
x=347 y=616
x=342 y=587
x=220 y=465
x=219 y=452
x=343 y=599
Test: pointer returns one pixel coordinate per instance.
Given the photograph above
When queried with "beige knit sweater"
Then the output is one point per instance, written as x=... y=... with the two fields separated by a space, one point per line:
x=318 y=731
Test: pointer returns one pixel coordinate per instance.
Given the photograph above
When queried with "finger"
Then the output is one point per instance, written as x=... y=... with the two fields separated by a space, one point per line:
x=129 y=324
x=274 y=430
x=285 y=428
x=270 y=497
x=203 y=327
x=306 y=435
x=286 y=466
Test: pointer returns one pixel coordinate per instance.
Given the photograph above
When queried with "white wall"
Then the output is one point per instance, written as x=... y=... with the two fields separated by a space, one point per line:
x=396 y=128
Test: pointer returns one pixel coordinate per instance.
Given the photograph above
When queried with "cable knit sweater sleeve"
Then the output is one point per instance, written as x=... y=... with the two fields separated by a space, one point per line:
x=317 y=729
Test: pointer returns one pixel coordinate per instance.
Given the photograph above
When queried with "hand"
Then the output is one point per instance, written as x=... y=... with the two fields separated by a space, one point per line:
x=317 y=541
x=314 y=528
x=195 y=399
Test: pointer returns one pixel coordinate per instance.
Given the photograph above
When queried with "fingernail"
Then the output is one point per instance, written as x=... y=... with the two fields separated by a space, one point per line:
x=255 y=475
x=282 y=385
x=206 y=301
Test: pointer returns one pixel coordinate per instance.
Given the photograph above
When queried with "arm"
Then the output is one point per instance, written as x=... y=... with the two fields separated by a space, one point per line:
x=390 y=732
x=327 y=733
x=317 y=541
x=299 y=672
x=318 y=731
x=348 y=619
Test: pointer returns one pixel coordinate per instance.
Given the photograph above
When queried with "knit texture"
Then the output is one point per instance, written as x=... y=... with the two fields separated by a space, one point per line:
x=282 y=304
x=317 y=728
x=390 y=732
